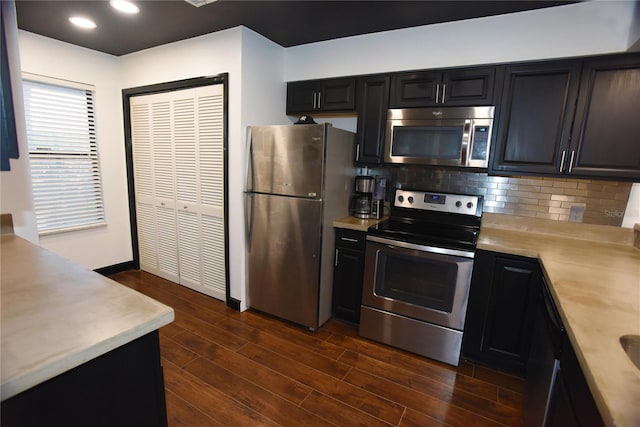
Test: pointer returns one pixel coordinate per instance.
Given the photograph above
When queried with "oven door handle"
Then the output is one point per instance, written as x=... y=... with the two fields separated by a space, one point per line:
x=422 y=248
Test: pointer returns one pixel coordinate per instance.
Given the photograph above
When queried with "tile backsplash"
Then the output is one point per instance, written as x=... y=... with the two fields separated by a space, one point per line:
x=604 y=202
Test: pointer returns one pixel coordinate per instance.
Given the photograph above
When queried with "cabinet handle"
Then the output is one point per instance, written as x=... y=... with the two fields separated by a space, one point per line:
x=319 y=98
x=335 y=263
x=573 y=155
x=314 y=99
x=564 y=156
x=444 y=91
x=437 y=91
x=357 y=152
x=349 y=239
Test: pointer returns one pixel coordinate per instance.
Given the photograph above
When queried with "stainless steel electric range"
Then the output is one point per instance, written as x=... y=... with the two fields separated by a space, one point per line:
x=418 y=266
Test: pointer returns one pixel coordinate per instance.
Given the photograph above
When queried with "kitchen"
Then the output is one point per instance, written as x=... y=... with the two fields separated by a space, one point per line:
x=240 y=50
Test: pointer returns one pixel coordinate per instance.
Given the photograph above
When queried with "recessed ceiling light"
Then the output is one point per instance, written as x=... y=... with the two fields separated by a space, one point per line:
x=124 y=6
x=82 y=22
x=198 y=3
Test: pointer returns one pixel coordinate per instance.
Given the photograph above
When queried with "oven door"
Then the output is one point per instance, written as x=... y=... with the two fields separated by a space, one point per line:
x=409 y=280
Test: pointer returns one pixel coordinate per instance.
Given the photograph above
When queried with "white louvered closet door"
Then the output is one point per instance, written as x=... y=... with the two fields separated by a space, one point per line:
x=155 y=194
x=211 y=166
x=177 y=140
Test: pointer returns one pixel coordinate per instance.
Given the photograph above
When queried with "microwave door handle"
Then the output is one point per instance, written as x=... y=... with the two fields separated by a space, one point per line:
x=466 y=143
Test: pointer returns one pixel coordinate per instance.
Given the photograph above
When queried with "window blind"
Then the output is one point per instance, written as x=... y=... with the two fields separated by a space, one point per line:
x=63 y=154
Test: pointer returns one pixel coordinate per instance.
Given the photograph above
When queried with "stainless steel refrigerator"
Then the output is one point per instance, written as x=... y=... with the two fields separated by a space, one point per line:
x=299 y=180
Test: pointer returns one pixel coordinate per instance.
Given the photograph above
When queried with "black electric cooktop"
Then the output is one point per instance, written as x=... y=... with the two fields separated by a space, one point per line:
x=433 y=219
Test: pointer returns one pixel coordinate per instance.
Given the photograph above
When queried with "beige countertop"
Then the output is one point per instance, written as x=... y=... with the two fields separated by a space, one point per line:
x=57 y=315
x=353 y=223
x=594 y=277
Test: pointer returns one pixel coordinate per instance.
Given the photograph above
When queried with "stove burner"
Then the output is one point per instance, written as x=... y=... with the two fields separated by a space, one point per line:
x=433 y=219
x=428 y=234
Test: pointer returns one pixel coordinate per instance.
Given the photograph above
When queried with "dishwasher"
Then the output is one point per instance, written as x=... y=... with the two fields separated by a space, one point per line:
x=544 y=362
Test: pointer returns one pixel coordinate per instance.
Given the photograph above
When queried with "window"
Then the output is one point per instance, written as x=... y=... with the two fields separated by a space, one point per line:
x=63 y=153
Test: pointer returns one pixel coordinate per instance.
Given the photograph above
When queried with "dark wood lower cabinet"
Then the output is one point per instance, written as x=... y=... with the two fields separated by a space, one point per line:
x=124 y=387
x=347 y=274
x=571 y=395
x=560 y=411
x=501 y=310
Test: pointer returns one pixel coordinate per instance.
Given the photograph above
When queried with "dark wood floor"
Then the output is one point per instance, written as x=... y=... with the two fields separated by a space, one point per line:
x=226 y=368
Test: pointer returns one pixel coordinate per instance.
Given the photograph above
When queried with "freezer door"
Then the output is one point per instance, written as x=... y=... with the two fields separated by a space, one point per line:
x=283 y=256
x=286 y=160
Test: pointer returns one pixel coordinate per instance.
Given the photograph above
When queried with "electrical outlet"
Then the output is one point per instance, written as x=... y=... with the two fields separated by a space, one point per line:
x=576 y=213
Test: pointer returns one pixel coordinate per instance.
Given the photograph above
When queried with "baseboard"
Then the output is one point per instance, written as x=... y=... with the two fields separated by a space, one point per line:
x=116 y=268
x=233 y=303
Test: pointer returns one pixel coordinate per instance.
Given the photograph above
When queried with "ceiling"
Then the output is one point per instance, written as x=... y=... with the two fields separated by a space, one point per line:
x=288 y=23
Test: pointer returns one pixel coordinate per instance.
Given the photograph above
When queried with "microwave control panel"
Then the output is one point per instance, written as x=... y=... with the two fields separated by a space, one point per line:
x=480 y=148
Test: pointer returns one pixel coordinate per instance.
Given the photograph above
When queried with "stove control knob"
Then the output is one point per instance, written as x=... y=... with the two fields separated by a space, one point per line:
x=469 y=205
x=410 y=199
x=458 y=203
x=401 y=199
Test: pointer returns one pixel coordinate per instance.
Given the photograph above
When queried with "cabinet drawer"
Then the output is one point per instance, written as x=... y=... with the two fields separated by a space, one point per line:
x=351 y=239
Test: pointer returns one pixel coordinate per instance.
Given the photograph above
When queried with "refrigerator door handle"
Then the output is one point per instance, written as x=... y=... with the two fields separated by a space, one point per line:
x=250 y=184
x=248 y=220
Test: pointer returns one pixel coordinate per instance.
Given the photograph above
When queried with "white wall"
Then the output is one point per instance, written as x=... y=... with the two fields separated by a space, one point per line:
x=256 y=96
x=103 y=246
x=16 y=183
x=587 y=28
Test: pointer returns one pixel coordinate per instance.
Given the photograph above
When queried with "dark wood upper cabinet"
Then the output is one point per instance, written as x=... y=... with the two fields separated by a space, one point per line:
x=321 y=95
x=373 y=98
x=414 y=89
x=457 y=87
x=534 y=120
x=607 y=125
x=574 y=117
x=301 y=96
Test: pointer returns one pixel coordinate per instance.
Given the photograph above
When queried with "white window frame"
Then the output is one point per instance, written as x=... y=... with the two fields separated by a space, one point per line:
x=63 y=154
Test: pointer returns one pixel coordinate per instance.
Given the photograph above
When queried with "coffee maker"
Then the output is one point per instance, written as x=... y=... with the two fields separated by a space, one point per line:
x=363 y=196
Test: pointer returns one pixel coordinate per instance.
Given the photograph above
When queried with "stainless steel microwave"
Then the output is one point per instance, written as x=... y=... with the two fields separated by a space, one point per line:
x=449 y=136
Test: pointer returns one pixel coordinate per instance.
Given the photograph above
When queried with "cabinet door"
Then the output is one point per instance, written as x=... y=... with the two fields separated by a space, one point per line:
x=501 y=310
x=582 y=403
x=301 y=97
x=534 y=120
x=337 y=95
x=472 y=86
x=347 y=284
x=415 y=89
x=560 y=411
x=606 y=127
x=321 y=95
x=373 y=98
